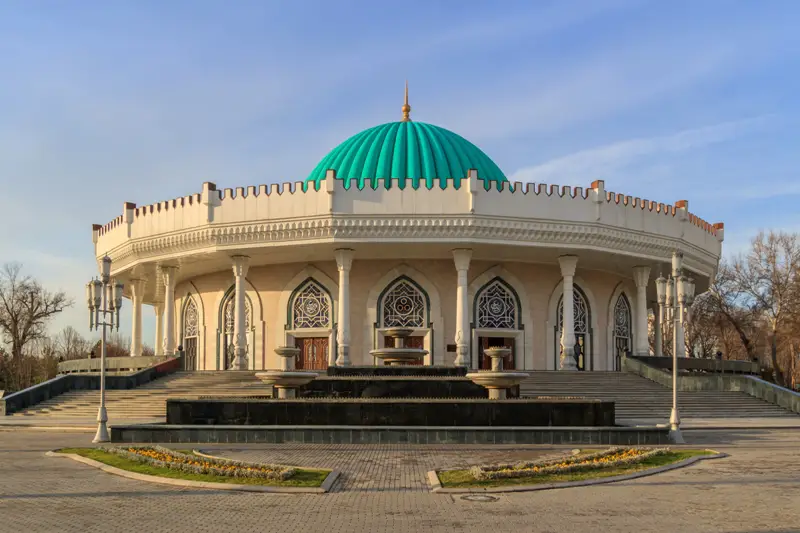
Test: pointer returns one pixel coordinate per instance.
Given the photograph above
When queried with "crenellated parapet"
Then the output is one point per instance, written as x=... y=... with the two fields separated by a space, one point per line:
x=331 y=209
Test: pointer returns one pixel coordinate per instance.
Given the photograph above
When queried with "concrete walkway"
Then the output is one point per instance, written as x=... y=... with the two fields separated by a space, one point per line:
x=757 y=489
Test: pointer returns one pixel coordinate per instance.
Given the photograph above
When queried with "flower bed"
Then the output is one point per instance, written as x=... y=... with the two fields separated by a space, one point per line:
x=611 y=458
x=165 y=458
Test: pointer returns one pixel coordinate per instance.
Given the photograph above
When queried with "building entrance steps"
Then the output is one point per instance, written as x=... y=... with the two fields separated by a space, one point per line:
x=148 y=401
x=637 y=398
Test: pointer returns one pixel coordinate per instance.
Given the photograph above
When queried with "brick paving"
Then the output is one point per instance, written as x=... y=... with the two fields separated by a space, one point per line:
x=383 y=468
x=757 y=489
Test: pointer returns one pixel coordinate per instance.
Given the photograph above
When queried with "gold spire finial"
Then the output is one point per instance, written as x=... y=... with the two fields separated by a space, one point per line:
x=406 y=108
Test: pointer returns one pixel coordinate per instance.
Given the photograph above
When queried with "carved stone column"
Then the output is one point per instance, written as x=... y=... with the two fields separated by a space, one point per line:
x=344 y=261
x=568 y=264
x=168 y=274
x=658 y=351
x=462 y=259
x=240 y=266
x=137 y=295
x=158 y=347
x=641 y=275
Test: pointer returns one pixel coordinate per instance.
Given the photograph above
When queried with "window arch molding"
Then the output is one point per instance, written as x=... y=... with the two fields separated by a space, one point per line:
x=283 y=326
x=257 y=335
x=552 y=322
x=227 y=333
x=192 y=295
x=496 y=291
x=434 y=340
x=416 y=291
x=523 y=336
x=627 y=289
x=322 y=299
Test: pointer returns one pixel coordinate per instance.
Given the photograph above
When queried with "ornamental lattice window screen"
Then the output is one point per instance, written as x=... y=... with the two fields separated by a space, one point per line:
x=311 y=307
x=190 y=320
x=230 y=315
x=580 y=312
x=403 y=306
x=622 y=318
x=191 y=329
x=229 y=320
x=496 y=307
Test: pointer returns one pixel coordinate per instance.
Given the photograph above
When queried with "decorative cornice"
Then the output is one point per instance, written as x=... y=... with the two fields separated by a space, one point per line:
x=459 y=229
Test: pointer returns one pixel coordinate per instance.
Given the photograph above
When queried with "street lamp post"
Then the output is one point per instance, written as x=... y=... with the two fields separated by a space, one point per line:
x=104 y=297
x=674 y=296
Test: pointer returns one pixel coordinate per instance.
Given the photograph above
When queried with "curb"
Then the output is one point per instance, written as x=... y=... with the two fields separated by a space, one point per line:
x=436 y=484
x=78 y=429
x=326 y=484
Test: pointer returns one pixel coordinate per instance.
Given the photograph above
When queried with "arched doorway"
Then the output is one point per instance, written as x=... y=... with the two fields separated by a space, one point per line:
x=582 y=327
x=497 y=314
x=622 y=329
x=190 y=334
x=311 y=318
x=228 y=316
x=404 y=304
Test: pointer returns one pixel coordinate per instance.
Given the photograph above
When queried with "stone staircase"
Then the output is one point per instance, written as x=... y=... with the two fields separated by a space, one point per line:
x=637 y=398
x=147 y=402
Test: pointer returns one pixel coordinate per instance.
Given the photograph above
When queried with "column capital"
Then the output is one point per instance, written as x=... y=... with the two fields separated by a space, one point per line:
x=344 y=258
x=462 y=258
x=568 y=263
x=168 y=273
x=137 y=287
x=641 y=275
x=240 y=265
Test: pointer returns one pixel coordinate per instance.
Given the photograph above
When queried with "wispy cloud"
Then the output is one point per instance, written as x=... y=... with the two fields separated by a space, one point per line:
x=611 y=158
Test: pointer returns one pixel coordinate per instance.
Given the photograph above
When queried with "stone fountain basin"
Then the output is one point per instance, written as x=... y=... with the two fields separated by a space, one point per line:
x=496 y=380
x=286 y=378
x=400 y=355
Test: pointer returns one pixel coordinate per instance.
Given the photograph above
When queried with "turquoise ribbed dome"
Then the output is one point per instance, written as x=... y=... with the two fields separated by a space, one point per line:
x=422 y=153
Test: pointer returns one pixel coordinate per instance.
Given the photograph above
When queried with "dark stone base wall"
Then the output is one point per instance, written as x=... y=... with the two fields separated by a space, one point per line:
x=403 y=370
x=381 y=387
x=622 y=436
x=387 y=412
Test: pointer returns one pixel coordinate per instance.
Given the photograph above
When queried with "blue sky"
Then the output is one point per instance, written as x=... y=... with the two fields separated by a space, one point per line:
x=142 y=101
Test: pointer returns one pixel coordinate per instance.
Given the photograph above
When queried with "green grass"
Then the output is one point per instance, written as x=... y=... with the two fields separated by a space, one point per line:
x=303 y=477
x=452 y=479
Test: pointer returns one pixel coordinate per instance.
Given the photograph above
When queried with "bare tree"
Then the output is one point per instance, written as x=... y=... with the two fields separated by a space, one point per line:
x=701 y=327
x=116 y=346
x=769 y=279
x=71 y=344
x=733 y=305
x=25 y=308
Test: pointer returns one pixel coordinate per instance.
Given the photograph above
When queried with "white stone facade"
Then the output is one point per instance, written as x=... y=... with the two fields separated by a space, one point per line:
x=237 y=273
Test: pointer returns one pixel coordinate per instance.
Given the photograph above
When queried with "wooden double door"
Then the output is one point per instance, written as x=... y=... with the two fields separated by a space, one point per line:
x=496 y=342
x=410 y=342
x=313 y=353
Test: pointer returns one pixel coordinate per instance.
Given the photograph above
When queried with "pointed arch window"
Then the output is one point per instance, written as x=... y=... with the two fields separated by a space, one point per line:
x=581 y=326
x=229 y=329
x=311 y=307
x=580 y=312
x=497 y=307
x=190 y=319
x=622 y=328
x=622 y=318
x=191 y=333
x=403 y=305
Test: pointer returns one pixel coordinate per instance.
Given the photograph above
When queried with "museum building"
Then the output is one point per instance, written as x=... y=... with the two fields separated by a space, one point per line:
x=410 y=225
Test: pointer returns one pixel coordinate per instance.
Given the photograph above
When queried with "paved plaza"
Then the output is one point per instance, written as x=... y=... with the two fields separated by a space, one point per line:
x=383 y=489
